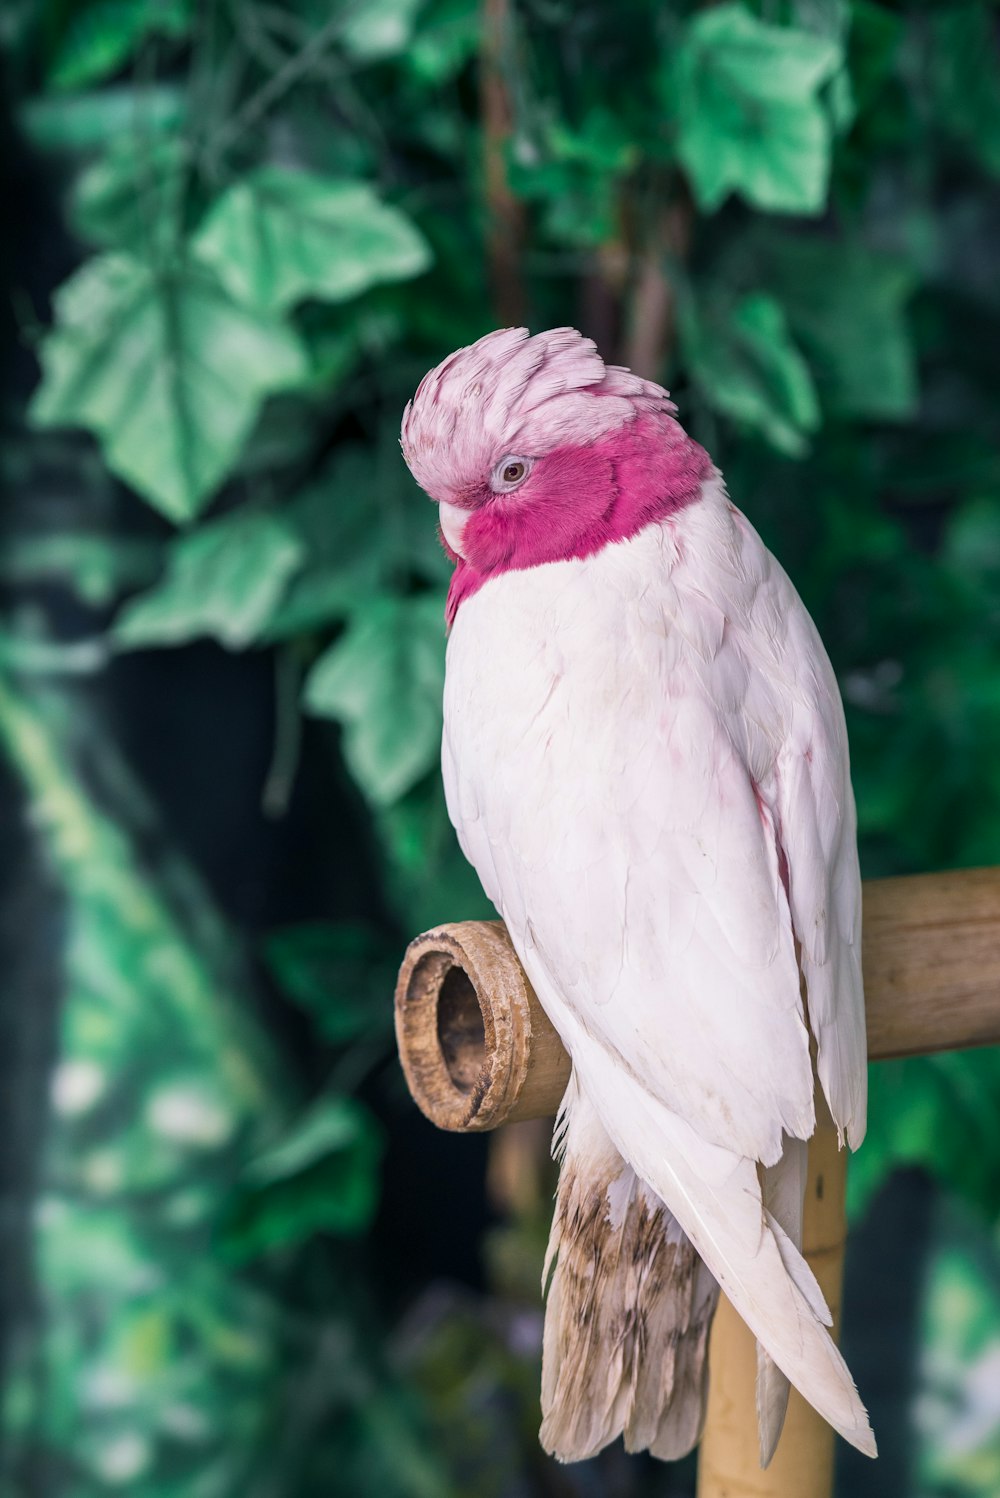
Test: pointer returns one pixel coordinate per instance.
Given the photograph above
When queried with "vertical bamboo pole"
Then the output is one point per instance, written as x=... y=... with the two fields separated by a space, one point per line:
x=802 y=1467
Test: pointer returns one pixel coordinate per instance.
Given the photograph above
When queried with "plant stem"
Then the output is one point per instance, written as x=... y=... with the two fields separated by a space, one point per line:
x=505 y=212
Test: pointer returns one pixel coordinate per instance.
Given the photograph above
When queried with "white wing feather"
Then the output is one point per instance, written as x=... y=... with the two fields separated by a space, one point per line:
x=640 y=748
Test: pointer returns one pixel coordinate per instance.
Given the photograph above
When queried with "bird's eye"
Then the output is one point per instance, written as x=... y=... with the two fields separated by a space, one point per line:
x=509 y=472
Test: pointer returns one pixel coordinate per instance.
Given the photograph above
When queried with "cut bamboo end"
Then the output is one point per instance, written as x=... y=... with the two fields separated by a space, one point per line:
x=475 y=1045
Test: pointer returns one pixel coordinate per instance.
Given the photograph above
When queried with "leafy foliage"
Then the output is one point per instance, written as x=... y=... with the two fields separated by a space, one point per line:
x=277 y=217
x=748 y=368
x=337 y=973
x=277 y=237
x=957 y=1412
x=322 y=1177
x=384 y=681
x=151 y=1010
x=223 y=580
x=99 y=37
x=750 y=115
x=166 y=370
x=908 y=1102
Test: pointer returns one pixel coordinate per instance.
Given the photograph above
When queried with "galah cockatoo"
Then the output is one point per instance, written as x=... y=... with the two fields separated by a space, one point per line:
x=646 y=762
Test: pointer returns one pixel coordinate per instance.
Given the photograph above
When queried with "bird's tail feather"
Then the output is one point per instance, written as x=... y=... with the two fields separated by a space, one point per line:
x=783 y=1188
x=628 y=1311
x=716 y=1197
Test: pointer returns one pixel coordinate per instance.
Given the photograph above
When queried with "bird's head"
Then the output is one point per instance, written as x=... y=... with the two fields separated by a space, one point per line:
x=536 y=450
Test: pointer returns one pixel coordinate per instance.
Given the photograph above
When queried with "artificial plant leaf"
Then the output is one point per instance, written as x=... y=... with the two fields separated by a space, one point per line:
x=577 y=175
x=342 y=545
x=166 y=370
x=941 y=1112
x=86 y=122
x=379 y=28
x=278 y=236
x=337 y=972
x=428 y=872
x=130 y=198
x=747 y=367
x=962 y=64
x=321 y=1177
x=224 y=580
x=383 y=682
x=847 y=307
x=102 y=35
x=98 y=569
x=750 y=119
x=446 y=37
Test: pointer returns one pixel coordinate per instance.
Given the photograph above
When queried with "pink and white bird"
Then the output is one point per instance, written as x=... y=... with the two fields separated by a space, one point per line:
x=646 y=762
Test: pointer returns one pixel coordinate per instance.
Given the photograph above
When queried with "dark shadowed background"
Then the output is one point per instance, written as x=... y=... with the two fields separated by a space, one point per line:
x=235 y=233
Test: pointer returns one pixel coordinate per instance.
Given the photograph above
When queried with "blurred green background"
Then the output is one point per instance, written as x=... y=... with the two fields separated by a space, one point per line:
x=236 y=232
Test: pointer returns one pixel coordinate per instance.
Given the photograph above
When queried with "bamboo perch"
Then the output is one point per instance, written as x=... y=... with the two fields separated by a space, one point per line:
x=478 y=1051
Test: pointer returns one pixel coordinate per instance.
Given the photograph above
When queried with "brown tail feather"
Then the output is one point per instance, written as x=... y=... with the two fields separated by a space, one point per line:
x=628 y=1313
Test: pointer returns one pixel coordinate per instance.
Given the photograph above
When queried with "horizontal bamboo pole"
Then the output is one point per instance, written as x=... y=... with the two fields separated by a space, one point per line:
x=478 y=1050
x=932 y=962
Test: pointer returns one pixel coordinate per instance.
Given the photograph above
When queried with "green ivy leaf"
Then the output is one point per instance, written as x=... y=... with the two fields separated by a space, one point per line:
x=447 y=36
x=166 y=370
x=746 y=97
x=428 y=872
x=847 y=307
x=130 y=198
x=269 y=574
x=87 y=122
x=224 y=580
x=379 y=28
x=383 y=681
x=971 y=547
x=322 y=1177
x=101 y=36
x=335 y=521
x=577 y=174
x=941 y=1112
x=338 y=973
x=97 y=568
x=276 y=237
x=359 y=521
x=963 y=77
x=748 y=368
x=872 y=47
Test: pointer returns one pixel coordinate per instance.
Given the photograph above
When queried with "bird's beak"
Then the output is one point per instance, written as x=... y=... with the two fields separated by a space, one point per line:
x=453 y=522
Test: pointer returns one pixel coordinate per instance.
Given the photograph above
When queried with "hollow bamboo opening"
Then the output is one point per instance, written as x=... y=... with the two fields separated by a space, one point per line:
x=467 y=1022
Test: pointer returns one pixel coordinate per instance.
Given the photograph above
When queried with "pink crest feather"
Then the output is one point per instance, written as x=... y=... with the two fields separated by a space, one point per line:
x=607 y=456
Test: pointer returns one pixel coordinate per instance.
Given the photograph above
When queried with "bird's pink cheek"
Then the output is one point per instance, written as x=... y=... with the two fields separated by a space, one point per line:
x=547 y=518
